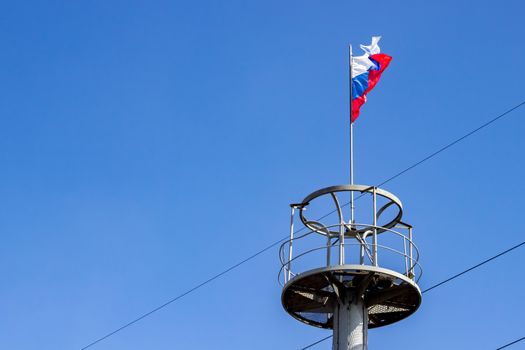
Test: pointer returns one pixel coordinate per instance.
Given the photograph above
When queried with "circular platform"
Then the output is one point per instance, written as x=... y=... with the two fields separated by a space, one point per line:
x=389 y=296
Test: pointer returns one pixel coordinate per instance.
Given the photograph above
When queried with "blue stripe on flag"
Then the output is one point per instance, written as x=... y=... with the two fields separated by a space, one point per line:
x=377 y=65
x=359 y=85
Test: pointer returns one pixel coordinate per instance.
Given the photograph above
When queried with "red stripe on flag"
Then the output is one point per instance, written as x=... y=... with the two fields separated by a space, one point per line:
x=373 y=77
x=356 y=105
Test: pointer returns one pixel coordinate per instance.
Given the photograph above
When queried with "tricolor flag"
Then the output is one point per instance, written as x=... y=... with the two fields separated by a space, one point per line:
x=366 y=71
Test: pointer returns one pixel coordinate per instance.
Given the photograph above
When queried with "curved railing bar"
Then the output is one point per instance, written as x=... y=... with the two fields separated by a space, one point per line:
x=324 y=229
x=411 y=242
x=418 y=268
x=363 y=189
x=383 y=208
x=338 y=206
x=296 y=257
x=281 y=248
x=406 y=257
x=413 y=262
x=352 y=188
x=287 y=242
x=364 y=246
x=416 y=263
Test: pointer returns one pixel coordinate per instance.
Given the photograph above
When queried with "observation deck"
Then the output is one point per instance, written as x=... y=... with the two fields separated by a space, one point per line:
x=369 y=257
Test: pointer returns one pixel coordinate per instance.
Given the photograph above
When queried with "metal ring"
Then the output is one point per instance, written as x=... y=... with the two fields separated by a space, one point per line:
x=354 y=188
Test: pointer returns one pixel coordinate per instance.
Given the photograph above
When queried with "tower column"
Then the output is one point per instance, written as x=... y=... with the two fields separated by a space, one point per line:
x=350 y=323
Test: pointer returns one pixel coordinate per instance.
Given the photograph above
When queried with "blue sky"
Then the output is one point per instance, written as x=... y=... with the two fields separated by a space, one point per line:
x=146 y=146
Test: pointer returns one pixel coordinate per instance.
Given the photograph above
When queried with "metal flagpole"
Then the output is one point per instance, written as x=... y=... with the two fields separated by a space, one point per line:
x=350 y=316
x=352 y=219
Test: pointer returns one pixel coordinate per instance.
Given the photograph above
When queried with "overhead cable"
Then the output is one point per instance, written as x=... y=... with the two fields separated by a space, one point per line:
x=511 y=343
x=251 y=257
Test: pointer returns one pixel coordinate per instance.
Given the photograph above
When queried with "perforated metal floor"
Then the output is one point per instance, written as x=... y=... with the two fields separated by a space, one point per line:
x=389 y=296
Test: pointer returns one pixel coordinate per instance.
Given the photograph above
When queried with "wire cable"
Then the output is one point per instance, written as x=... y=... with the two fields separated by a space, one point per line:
x=474 y=267
x=444 y=148
x=448 y=280
x=283 y=239
x=317 y=342
x=511 y=343
x=184 y=294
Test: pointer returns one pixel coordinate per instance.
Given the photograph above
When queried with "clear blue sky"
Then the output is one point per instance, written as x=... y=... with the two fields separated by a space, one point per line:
x=147 y=145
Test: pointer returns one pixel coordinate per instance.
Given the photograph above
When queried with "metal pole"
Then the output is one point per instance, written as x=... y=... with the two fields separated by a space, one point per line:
x=290 y=246
x=405 y=253
x=375 y=228
x=341 y=244
x=411 y=273
x=350 y=323
x=351 y=136
x=328 y=250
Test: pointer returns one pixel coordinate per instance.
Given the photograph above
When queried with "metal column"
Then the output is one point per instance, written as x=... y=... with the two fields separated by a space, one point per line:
x=289 y=267
x=350 y=323
x=374 y=247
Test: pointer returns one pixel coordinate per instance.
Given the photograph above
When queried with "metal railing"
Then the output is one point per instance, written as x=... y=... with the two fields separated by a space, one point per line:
x=366 y=252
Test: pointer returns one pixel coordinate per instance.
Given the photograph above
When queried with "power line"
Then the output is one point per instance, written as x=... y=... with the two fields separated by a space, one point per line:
x=184 y=294
x=448 y=280
x=511 y=343
x=283 y=239
x=444 y=148
x=474 y=267
x=317 y=342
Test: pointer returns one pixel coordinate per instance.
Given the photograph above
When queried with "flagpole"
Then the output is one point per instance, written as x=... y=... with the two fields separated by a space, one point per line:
x=352 y=219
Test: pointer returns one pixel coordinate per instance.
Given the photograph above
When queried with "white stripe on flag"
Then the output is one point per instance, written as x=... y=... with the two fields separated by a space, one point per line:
x=362 y=64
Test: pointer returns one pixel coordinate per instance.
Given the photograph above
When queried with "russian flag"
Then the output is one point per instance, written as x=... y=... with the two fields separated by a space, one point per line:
x=366 y=71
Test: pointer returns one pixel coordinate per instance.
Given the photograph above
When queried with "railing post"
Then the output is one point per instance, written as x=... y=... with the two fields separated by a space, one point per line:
x=328 y=249
x=375 y=228
x=410 y=246
x=289 y=266
x=342 y=228
x=362 y=247
x=341 y=243
x=362 y=251
x=405 y=255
